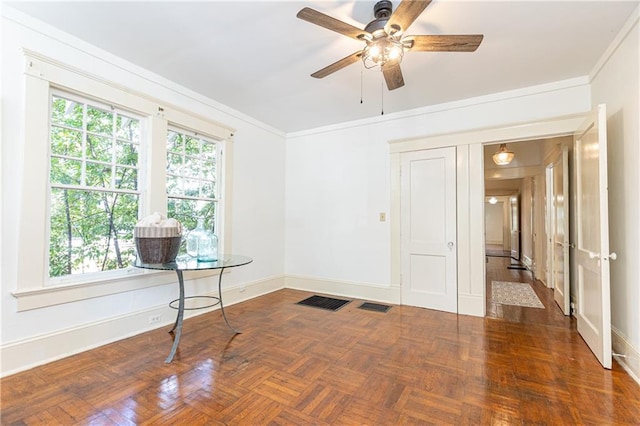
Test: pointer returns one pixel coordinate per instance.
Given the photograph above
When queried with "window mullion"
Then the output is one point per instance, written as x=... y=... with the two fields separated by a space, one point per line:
x=114 y=145
x=83 y=164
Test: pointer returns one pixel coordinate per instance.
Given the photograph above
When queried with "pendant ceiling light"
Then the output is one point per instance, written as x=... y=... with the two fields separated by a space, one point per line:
x=503 y=157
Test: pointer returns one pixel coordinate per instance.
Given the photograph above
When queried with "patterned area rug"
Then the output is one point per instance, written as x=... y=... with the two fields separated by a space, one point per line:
x=518 y=294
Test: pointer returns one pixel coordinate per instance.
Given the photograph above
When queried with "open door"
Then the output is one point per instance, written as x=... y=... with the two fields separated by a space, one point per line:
x=514 y=209
x=592 y=239
x=560 y=231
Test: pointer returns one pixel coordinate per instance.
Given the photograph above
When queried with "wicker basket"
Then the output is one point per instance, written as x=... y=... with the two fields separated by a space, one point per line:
x=156 y=244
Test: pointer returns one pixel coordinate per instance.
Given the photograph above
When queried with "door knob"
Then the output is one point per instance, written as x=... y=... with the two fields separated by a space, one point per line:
x=593 y=255
x=613 y=256
x=450 y=245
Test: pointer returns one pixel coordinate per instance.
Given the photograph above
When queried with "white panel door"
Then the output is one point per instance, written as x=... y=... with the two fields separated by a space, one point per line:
x=592 y=239
x=560 y=233
x=514 y=209
x=428 y=229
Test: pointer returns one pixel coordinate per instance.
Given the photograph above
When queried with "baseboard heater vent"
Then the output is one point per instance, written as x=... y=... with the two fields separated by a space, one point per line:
x=324 y=302
x=374 y=307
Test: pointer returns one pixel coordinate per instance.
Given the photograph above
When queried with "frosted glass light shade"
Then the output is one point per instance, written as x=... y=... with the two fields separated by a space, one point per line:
x=503 y=157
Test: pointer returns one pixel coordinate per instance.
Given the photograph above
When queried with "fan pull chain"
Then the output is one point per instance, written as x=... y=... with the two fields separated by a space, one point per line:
x=361 y=82
x=381 y=96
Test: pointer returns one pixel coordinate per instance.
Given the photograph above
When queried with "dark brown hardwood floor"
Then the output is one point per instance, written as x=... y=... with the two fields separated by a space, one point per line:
x=298 y=365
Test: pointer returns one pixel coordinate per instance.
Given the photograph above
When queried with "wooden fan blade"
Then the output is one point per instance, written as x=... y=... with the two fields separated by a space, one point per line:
x=330 y=23
x=404 y=15
x=354 y=57
x=445 y=43
x=393 y=77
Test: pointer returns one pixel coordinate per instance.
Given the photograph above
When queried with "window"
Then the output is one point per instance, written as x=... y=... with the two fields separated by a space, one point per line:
x=95 y=160
x=192 y=178
x=94 y=195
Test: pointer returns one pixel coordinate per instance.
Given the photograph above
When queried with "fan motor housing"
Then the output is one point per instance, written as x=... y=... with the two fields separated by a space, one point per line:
x=382 y=11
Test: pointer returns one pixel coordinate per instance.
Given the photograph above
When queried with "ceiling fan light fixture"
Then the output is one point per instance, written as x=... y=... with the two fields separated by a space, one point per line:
x=383 y=51
x=503 y=157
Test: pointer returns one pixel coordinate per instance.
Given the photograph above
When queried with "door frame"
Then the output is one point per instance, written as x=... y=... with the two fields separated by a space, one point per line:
x=470 y=214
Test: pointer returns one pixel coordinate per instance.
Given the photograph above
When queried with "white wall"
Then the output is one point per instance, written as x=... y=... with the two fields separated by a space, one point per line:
x=34 y=336
x=616 y=85
x=338 y=181
x=494 y=223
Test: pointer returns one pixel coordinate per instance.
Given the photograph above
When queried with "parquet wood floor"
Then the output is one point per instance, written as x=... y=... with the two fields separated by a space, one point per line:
x=296 y=365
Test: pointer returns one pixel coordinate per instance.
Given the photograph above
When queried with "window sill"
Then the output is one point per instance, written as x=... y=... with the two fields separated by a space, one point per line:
x=42 y=297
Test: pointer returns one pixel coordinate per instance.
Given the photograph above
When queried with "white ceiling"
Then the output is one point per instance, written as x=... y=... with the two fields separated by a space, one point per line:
x=257 y=57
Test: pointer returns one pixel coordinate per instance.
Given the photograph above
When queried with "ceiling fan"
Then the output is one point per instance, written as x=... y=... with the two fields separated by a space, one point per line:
x=385 y=39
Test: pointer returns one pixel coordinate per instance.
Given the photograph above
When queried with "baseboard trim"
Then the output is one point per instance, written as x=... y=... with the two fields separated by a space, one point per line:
x=344 y=288
x=28 y=353
x=625 y=354
x=471 y=304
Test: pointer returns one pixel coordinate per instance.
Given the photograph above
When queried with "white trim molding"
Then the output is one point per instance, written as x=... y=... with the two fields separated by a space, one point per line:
x=32 y=352
x=626 y=355
x=471 y=259
x=364 y=291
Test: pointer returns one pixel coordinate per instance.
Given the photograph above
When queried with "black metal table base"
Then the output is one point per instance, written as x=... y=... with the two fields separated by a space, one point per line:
x=177 y=326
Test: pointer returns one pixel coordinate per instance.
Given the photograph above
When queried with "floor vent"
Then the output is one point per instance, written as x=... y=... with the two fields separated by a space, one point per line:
x=374 y=307
x=323 y=302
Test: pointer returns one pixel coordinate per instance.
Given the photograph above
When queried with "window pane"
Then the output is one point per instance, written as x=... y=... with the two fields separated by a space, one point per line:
x=191 y=187
x=65 y=112
x=209 y=149
x=98 y=175
x=126 y=178
x=188 y=212
x=65 y=172
x=98 y=148
x=174 y=142
x=208 y=190
x=191 y=167
x=209 y=169
x=91 y=231
x=66 y=142
x=99 y=121
x=128 y=128
x=126 y=153
x=191 y=146
x=173 y=186
x=174 y=163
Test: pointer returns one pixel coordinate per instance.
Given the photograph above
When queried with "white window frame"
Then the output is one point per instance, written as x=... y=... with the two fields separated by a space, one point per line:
x=143 y=143
x=41 y=75
x=219 y=180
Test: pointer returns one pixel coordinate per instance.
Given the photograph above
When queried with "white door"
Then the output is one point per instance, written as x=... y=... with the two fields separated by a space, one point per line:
x=592 y=239
x=428 y=229
x=560 y=234
x=514 y=208
x=548 y=223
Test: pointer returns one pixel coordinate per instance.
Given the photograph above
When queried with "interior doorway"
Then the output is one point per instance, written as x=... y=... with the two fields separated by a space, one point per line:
x=522 y=186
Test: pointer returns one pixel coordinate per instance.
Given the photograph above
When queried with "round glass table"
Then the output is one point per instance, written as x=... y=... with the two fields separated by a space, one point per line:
x=188 y=263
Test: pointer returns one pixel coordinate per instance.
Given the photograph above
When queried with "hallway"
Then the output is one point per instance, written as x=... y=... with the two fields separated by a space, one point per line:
x=498 y=270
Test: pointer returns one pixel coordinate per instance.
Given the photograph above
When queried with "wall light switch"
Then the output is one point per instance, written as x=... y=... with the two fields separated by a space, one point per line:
x=383 y=216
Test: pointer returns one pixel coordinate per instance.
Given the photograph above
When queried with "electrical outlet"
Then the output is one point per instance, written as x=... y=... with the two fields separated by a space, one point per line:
x=154 y=319
x=383 y=217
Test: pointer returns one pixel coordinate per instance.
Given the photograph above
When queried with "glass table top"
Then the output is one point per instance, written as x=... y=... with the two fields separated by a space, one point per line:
x=188 y=263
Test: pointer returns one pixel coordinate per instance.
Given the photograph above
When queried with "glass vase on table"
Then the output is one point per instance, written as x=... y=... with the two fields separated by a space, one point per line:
x=202 y=243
